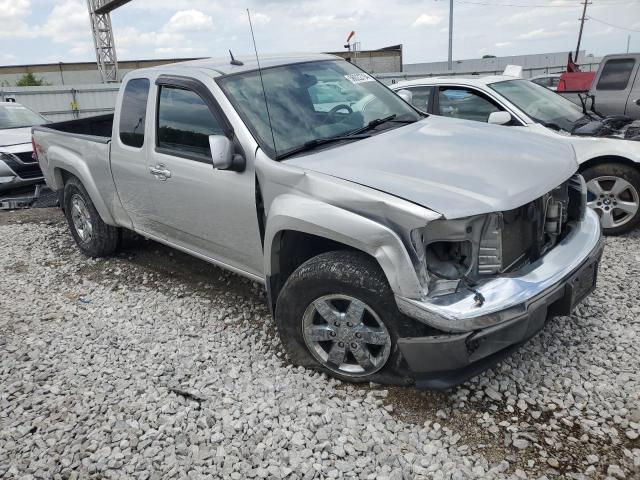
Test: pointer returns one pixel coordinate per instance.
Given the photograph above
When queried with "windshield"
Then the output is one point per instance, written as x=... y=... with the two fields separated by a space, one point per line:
x=312 y=101
x=17 y=116
x=541 y=104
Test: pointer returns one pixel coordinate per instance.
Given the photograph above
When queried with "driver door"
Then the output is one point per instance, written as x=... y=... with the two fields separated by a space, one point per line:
x=207 y=211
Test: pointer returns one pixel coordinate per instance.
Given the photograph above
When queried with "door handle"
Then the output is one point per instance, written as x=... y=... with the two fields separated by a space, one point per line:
x=160 y=172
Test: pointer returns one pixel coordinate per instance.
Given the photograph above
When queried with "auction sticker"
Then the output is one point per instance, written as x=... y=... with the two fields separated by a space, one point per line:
x=356 y=78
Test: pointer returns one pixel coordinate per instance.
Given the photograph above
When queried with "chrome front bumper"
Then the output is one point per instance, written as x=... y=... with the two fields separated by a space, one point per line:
x=510 y=296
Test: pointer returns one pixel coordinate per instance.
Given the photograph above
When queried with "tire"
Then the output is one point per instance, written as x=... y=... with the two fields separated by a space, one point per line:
x=600 y=181
x=96 y=239
x=343 y=278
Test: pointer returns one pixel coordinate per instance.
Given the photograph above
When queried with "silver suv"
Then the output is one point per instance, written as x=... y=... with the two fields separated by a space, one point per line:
x=395 y=247
x=18 y=167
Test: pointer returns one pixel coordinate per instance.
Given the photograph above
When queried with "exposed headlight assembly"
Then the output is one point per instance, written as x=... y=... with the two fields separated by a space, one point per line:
x=453 y=250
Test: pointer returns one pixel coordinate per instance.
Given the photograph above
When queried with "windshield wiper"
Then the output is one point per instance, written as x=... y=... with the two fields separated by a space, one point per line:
x=379 y=121
x=317 y=142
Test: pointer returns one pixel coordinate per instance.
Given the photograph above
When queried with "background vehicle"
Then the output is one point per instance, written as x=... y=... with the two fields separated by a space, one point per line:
x=379 y=265
x=615 y=87
x=18 y=167
x=608 y=149
x=549 y=80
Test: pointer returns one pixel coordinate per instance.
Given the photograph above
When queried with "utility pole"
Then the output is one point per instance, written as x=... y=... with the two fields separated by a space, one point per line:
x=584 y=14
x=451 y=35
x=628 y=42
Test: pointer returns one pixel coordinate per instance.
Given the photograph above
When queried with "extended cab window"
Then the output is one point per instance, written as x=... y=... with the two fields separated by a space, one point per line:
x=615 y=74
x=185 y=122
x=134 y=112
x=465 y=103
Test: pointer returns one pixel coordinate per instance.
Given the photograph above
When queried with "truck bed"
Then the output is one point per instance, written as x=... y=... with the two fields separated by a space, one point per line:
x=99 y=126
x=81 y=148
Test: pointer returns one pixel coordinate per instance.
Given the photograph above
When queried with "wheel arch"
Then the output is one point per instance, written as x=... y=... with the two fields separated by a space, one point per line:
x=62 y=174
x=299 y=228
x=599 y=160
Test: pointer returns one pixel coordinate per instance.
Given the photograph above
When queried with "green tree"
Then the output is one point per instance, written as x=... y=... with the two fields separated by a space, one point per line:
x=29 y=80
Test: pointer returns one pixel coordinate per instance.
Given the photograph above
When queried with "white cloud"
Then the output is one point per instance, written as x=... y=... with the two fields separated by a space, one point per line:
x=425 y=20
x=14 y=13
x=189 y=21
x=67 y=22
x=539 y=33
x=502 y=44
x=14 y=9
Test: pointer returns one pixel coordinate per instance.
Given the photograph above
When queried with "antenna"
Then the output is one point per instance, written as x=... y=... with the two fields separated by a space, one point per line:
x=235 y=62
x=264 y=92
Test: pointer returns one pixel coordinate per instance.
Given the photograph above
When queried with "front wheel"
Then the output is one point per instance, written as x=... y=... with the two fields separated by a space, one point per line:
x=337 y=314
x=614 y=193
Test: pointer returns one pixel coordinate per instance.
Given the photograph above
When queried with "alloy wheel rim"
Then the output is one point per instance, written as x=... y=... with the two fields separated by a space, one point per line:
x=345 y=335
x=81 y=218
x=614 y=199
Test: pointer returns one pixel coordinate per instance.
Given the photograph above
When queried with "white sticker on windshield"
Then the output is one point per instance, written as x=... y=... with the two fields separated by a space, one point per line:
x=14 y=107
x=359 y=78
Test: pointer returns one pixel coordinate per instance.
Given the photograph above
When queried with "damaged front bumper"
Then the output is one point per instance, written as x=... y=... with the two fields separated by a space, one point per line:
x=516 y=307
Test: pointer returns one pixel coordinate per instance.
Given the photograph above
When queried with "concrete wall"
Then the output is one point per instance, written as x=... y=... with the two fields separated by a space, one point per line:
x=536 y=64
x=58 y=103
x=376 y=61
x=83 y=73
x=86 y=73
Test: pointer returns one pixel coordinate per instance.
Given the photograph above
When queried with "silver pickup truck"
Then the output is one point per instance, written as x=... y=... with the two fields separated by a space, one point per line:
x=395 y=247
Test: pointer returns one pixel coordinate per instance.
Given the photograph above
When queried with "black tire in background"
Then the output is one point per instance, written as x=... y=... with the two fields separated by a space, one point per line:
x=614 y=171
x=351 y=274
x=103 y=239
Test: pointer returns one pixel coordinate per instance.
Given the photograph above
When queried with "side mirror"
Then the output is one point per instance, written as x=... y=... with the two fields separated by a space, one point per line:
x=223 y=156
x=499 y=118
x=406 y=95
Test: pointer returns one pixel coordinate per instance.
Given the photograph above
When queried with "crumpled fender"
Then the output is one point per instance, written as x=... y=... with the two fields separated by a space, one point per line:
x=307 y=215
x=64 y=159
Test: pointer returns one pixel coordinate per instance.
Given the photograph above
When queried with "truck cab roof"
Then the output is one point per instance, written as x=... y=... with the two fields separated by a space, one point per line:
x=221 y=66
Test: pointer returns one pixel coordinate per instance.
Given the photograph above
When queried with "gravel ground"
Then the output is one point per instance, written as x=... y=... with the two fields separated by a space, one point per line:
x=156 y=365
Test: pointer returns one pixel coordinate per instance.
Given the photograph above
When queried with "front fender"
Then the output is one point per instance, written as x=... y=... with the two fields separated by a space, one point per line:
x=589 y=148
x=307 y=215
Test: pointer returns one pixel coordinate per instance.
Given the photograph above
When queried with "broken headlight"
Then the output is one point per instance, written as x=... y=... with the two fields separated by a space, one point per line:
x=455 y=249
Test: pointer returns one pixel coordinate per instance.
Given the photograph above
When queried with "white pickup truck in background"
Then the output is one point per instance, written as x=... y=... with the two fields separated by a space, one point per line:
x=395 y=247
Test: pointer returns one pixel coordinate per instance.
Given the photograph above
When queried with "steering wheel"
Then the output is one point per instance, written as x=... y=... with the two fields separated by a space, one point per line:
x=336 y=109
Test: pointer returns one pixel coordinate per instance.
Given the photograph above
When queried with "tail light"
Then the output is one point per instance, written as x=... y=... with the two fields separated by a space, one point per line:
x=35 y=149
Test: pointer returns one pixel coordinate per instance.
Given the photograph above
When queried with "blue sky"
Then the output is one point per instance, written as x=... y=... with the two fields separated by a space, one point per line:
x=44 y=31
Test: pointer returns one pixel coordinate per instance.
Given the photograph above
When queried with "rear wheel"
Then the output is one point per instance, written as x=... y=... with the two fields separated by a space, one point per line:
x=614 y=193
x=337 y=314
x=94 y=237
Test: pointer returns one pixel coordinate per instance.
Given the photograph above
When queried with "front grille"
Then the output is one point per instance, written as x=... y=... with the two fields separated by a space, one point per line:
x=526 y=233
x=26 y=157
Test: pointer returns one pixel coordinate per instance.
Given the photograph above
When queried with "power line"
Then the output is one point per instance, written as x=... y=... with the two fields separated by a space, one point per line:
x=612 y=25
x=515 y=5
x=534 y=5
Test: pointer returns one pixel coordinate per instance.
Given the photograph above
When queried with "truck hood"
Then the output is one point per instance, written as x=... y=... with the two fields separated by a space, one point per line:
x=15 y=136
x=455 y=167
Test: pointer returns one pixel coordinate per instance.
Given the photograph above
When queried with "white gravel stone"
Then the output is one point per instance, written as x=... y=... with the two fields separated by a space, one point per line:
x=115 y=369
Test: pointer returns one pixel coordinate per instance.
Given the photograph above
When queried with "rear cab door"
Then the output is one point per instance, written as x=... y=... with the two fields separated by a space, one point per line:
x=132 y=122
